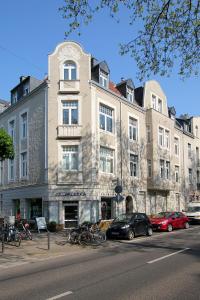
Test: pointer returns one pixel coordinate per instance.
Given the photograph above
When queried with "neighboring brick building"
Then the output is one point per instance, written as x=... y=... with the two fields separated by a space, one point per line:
x=76 y=134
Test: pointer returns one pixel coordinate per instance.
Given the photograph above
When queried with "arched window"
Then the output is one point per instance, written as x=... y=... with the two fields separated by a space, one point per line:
x=69 y=70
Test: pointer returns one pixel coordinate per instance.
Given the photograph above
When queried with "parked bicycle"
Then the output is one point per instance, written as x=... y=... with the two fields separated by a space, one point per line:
x=10 y=234
x=24 y=231
x=88 y=234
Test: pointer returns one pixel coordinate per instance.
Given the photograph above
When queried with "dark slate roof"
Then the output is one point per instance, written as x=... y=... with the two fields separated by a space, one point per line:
x=128 y=82
x=172 y=110
x=139 y=95
x=102 y=65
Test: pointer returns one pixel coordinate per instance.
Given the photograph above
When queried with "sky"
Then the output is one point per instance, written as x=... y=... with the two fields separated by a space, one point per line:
x=31 y=29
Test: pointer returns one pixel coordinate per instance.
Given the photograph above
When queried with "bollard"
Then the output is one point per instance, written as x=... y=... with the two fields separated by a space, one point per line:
x=48 y=239
x=2 y=243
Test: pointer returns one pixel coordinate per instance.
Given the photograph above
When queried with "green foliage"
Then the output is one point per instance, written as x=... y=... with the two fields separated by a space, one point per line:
x=170 y=31
x=6 y=145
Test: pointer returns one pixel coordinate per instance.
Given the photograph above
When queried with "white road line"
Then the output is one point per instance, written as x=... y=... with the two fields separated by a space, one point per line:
x=163 y=257
x=60 y=296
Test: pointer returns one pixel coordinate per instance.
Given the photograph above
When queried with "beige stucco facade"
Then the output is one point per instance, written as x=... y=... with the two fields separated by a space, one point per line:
x=62 y=193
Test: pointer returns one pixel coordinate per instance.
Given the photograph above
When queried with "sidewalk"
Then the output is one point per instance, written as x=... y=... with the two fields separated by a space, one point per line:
x=37 y=250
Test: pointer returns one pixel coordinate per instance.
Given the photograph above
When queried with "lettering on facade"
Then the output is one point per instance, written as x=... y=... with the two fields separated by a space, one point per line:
x=71 y=194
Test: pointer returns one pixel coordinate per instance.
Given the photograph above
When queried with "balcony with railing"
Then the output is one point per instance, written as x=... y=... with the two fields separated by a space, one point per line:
x=69 y=86
x=69 y=131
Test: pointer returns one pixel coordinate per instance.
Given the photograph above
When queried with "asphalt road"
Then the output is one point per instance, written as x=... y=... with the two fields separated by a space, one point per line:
x=165 y=266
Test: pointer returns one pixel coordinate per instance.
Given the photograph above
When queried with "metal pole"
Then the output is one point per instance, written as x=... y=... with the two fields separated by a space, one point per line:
x=2 y=243
x=48 y=239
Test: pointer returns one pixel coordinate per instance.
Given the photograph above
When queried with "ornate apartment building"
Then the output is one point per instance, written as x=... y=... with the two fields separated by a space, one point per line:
x=77 y=135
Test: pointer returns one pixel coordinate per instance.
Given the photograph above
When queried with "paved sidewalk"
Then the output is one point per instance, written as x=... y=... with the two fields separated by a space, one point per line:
x=37 y=249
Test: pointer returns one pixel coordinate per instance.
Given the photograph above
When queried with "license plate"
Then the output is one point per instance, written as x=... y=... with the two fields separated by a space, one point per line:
x=115 y=233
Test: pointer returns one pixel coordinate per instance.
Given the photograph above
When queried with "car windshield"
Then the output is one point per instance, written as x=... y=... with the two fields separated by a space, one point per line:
x=123 y=218
x=194 y=208
x=163 y=215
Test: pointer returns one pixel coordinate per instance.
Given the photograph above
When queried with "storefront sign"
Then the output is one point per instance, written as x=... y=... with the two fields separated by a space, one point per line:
x=41 y=223
x=70 y=194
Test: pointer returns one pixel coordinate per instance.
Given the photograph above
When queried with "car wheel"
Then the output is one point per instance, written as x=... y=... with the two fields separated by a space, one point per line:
x=169 y=228
x=186 y=225
x=149 y=231
x=131 y=235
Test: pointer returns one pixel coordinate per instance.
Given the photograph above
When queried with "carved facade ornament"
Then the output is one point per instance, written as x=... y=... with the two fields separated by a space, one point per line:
x=68 y=53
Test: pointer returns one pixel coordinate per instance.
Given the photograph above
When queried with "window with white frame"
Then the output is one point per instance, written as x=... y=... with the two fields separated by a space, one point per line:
x=24 y=125
x=103 y=79
x=105 y=118
x=134 y=165
x=24 y=168
x=162 y=168
x=130 y=95
x=106 y=160
x=177 y=173
x=167 y=139
x=160 y=105
x=25 y=89
x=11 y=130
x=153 y=100
x=14 y=97
x=148 y=128
x=190 y=175
x=133 y=129
x=11 y=169
x=149 y=168
x=70 y=157
x=161 y=136
x=176 y=146
x=189 y=150
x=167 y=169
x=70 y=112
x=70 y=72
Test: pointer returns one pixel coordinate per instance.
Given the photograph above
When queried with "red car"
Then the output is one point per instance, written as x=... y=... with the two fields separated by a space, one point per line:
x=168 y=221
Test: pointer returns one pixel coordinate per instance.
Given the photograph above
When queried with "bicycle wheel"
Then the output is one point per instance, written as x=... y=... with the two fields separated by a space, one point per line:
x=85 y=238
x=100 y=236
x=17 y=239
x=73 y=237
x=29 y=234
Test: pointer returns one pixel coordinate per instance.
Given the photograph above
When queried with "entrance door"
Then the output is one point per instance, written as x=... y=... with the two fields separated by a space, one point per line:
x=71 y=214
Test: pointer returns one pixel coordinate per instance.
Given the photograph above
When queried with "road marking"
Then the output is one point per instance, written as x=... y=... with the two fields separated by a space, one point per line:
x=163 y=257
x=60 y=296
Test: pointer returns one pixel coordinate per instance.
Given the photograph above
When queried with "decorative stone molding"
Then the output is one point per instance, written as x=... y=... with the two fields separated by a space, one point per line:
x=69 y=53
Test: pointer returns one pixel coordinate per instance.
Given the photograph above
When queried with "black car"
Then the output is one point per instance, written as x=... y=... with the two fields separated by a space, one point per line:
x=129 y=226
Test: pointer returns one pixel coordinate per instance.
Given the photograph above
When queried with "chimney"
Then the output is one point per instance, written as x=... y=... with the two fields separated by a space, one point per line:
x=22 y=78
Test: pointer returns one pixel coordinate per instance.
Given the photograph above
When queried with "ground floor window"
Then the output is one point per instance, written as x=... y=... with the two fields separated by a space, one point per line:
x=35 y=208
x=70 y=214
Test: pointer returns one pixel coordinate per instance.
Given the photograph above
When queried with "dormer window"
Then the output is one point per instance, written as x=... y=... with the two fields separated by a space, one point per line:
x=129 y=93
x=25 y=89
x=103 y=79
x=69 y=70
x=14 y=97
